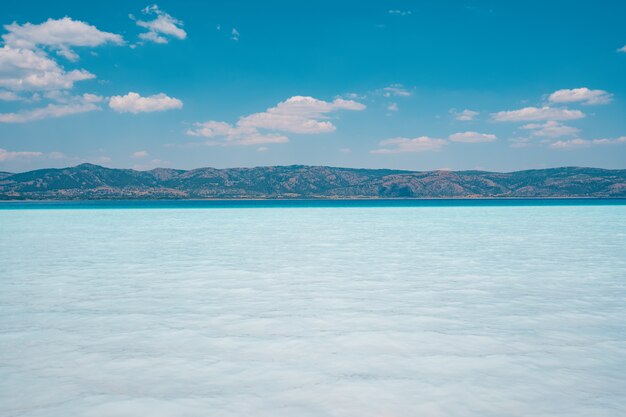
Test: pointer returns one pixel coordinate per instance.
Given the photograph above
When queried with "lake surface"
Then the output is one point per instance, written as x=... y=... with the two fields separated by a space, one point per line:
x=436 y=309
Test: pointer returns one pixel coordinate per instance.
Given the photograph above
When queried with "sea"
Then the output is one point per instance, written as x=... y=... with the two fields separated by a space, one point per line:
x=319 y=308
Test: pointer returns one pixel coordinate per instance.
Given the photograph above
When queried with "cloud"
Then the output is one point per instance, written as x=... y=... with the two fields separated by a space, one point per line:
x=73 y=105
x=353 y=96
x=472 y=137
x=400 y=12
x=622 y=49
x=139 y=154
x=616 y=141
x=233 y=135
x=162 y=27
x=134 y=103
x=583 y=95
x=537 y=113
x=394 y=90
x=406 y=145
x=465 y=115
x=10 y=156
x=9 y=96
x=152 y=164
x=59 y=35
x=551 y=129
x=234 y=34
x=583 y=143
x=392 y=107
x=27 y=70
x=298 y=114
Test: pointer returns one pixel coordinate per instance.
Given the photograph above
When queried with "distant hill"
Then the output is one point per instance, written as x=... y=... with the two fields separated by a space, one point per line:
x=87 y=181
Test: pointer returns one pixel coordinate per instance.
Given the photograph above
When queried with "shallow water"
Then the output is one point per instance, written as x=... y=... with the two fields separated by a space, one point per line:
x=314 y=311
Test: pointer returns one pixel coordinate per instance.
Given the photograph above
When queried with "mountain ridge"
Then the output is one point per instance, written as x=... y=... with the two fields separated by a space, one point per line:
x=90 y=181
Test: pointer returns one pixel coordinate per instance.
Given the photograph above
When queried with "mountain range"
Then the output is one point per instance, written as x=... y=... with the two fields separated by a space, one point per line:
x=88 y=181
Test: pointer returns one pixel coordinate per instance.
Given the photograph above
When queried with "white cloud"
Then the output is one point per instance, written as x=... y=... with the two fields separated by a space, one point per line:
x=27 y=70
x=583 y=95
x=298 y=114
x=395 y=90
x=139 y=154
x=520 y=142
x=74 y=105
x=234 y=34
x=465 y=115
x=134 y=103
x=162 y=27
x=472 y=137
x=400 y=12
x=583 y=143
x=551 y=129
x=59 y=35
x=616 y=141
x=392 y=107
x=9 y=96
x=406 y=145
x=537 y=113
x=10 y=156
x=228 y=134
x=571 y=144
x=622 y=49
x=353 y=96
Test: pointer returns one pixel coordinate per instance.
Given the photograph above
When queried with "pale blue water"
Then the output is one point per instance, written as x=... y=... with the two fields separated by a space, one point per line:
x=432 y=311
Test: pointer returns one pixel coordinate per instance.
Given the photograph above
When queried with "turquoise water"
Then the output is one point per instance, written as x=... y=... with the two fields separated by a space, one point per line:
x=440 y=310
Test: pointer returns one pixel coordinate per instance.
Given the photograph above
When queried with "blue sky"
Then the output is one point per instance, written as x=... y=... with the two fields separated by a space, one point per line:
x=397 y=84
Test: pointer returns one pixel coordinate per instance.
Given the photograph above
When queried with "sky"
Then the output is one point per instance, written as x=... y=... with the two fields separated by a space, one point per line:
x=488 y=85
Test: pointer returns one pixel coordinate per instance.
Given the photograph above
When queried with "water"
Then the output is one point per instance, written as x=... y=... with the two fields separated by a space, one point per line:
x=442 y=310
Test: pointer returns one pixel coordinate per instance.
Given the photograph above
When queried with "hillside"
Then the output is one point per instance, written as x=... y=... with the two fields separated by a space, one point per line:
x=87 y=181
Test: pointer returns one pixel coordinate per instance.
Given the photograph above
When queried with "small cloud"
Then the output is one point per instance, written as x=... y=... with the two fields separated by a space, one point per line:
x=472 y=137
x=162 y=27
x=394 y=90
x=393 y=107
x=551 y=129
x=14 y=155
x=622 y=49
x=262 y=149
x=345 y=150
x=400 y=12
x=520 y=142
x=583 y=143
x=571 y=144
x=154 y=163
x=583 y=95
x=409 y=145
x=536 y=114
x=352 y=96
x=134 y=103
x=9 y=96
x=101 y=160
x=57 y=155
x=65 y=106
x=464 y=115
x=139 y=154
x=234 y=34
